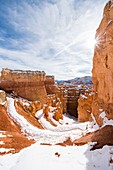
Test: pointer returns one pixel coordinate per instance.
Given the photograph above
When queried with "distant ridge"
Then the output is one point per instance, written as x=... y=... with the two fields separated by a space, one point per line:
x=76 y=81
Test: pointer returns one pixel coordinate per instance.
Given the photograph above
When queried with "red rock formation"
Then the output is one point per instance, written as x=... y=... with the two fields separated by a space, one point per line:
x=46 y=111
x=34 y=107
x=58 y=114
x=58 y=111
x=27 y=84
x=55 y=92
x=35 y=86
x=62 y=95
x=85 y=106
x=29 y=116
x=50 y=84
x=102 y=137
x=102 y=73
x=72 y=100
x=12 y=135
x=2 y=97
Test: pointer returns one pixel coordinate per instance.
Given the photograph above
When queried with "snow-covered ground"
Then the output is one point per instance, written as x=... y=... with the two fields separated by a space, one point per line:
x=50 y=134
x=58 y=158
x=44 y=157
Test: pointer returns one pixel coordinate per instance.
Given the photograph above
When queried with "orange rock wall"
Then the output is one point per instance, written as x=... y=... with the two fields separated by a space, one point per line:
x=102 y=73
x=85 y=107
x=27 y=84
x=72 y=101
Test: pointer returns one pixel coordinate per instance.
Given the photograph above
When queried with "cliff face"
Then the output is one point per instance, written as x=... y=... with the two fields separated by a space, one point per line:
x=37 y=86
x=84 y=106
x=102 y=73
x=27 y=84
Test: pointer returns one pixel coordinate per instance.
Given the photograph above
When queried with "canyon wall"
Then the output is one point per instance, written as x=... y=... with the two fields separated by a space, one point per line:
x=37 y=86
x=85 y=106
x=102 y=73
x=27 y=84
x=72 y=100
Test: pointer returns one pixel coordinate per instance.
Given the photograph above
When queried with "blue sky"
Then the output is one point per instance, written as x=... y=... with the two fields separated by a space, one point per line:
x=56 y=36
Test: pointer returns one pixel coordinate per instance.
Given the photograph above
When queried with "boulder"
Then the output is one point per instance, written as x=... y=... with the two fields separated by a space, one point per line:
x=103 y=136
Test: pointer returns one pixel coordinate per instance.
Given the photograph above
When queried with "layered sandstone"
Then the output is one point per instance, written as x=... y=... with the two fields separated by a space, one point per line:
x=72 y=101
x=69 y=96
x=41 y=88
x=54 y=92
x=62 y=95
x=85 y=106
x=102 y=73
x=50 y=84
x=27 y=84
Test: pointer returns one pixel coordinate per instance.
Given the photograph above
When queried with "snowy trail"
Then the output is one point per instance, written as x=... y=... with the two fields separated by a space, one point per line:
x=60 y=127
x=51 y=134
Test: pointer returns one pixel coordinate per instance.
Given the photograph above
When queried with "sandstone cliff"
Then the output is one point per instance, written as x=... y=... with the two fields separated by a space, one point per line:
x=102 y=73
x=27 y=84
x=85 y=106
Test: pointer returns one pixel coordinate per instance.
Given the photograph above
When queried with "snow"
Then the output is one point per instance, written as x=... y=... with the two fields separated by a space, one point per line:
x=112 y=4
x=109 y=21
x=93 y=126
x=1 y=91
x=103 y=114
x=1 y=142
x=3 y=103
x=71 y=157
x=27 y=72
x=2 y=135
x=92 y=93
x=100 y=110
x=51 y=134
x=83 y=96
x=56 y=157
x=59 y=127
x=5 y=150
x=25 y=103
x=106 y=121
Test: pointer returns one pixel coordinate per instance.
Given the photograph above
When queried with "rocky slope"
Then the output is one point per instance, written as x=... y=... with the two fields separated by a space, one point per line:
x=11 y=137
x=102 y=73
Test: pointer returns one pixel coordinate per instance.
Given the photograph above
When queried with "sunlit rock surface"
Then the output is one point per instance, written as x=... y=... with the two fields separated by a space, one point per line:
x=27 y=84
x=85 y=106
x=102 y=73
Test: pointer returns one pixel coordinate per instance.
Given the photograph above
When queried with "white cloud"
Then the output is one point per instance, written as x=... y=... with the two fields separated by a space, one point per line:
x=57 y=37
